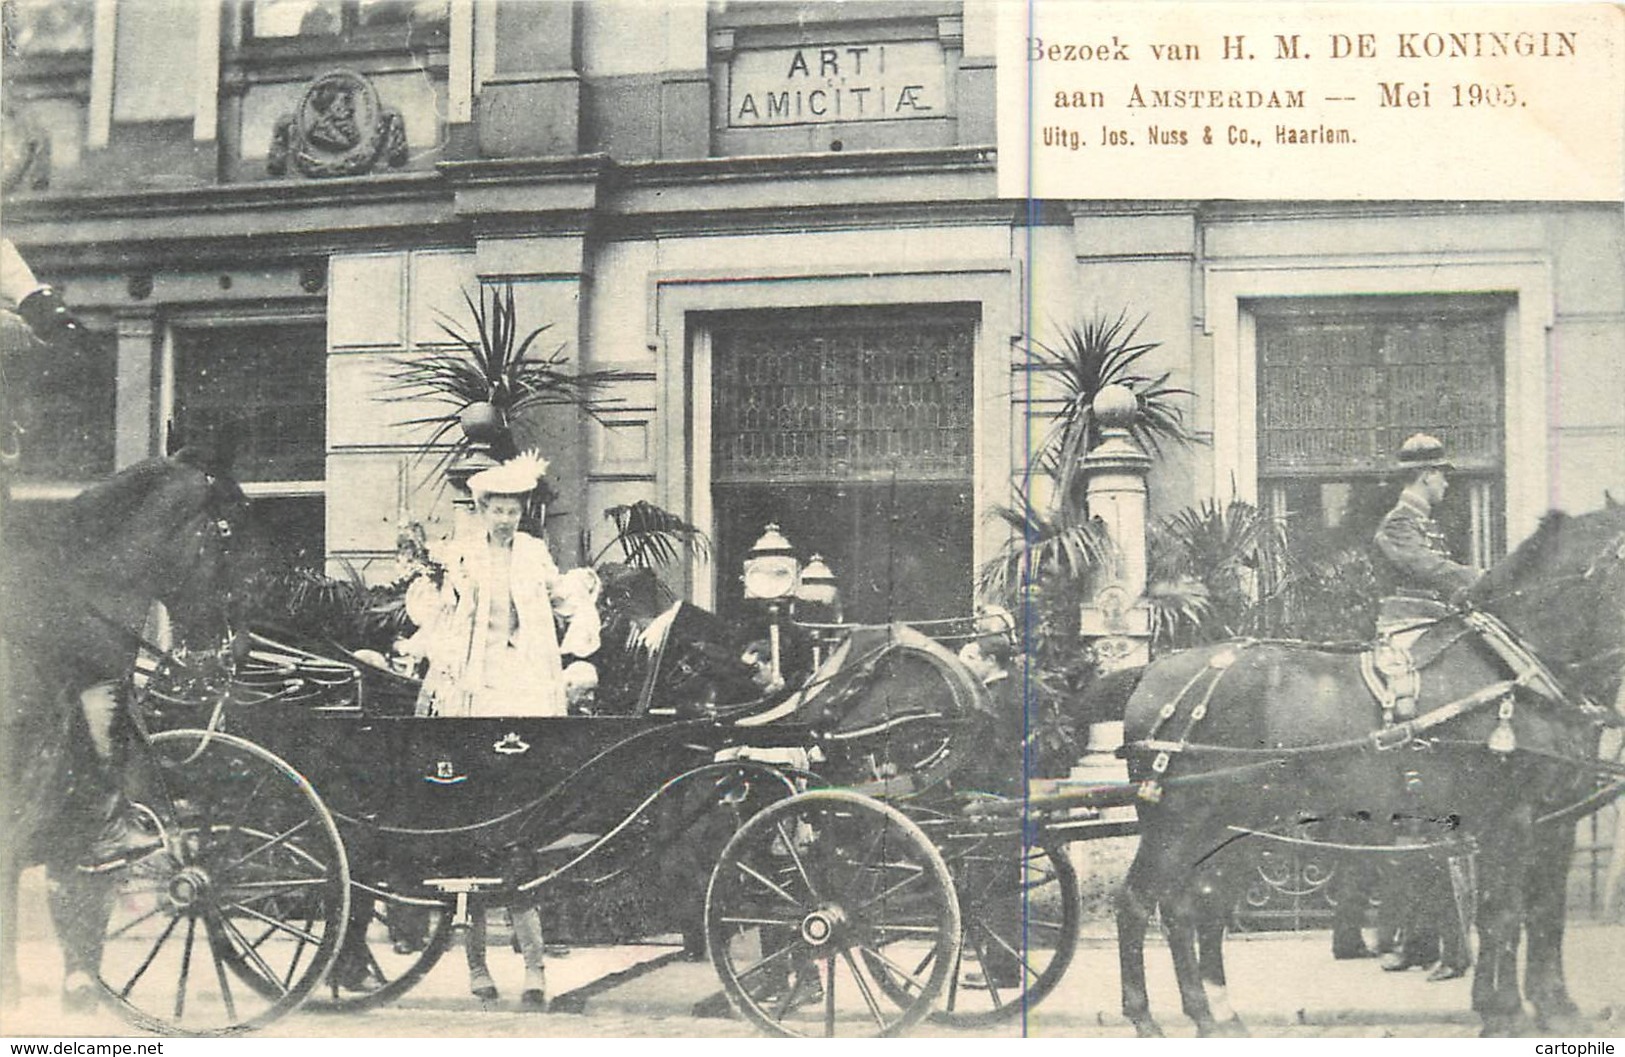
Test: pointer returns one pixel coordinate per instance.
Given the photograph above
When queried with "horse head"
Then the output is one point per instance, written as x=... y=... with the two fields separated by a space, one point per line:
x=1563 y=591
x=85 y=574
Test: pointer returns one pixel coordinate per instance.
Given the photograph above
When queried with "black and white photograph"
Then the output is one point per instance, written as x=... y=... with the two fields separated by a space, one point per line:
x=736 y=519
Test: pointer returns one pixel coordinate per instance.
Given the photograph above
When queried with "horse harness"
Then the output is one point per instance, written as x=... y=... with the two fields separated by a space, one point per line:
x=1391 y=672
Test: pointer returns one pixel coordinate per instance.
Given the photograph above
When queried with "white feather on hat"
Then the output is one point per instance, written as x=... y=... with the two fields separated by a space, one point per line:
x=518 y=476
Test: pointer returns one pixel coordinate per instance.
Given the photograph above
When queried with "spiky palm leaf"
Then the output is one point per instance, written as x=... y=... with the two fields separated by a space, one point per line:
x=1237 y=552
x=651 y=537
x=1180 y=612
x=1089 y=356
x=493 y=365
x=1043 y=543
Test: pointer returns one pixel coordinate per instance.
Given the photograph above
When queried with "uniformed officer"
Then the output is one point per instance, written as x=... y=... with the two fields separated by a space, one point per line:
x=1417 y=554
x=1422 y=575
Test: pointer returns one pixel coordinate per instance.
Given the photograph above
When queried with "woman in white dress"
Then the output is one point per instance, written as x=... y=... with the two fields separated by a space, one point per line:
x=493 y=650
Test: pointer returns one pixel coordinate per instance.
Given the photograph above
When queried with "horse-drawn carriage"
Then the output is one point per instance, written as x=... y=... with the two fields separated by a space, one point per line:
x=865 y=873
x=304 y=822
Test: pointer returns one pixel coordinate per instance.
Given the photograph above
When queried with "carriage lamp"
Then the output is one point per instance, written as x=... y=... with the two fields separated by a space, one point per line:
x=818 y=584
x=771 y=574
x=818 y=587
x=771 y=571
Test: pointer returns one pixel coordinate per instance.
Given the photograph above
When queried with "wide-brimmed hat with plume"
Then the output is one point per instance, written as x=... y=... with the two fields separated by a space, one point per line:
x=518 y=476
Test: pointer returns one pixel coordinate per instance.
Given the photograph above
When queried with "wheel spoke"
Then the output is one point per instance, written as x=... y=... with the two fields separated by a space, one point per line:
x=215 y=945
x=185 y=970
x=829 y=996
x=863 y=989
x=140 y=970
x=765 y=961
x=782 y=923
x=769 y=884
x=953 y=978
x=907 y=930
x=272 y=925
x=987 y=970
x=271 y=888
x=273 y=842
x=259 y=785
x=790 y=847
x=133 y=922
x=237 y=943
x=918 y=874
x=904 y=977
x=869 y=854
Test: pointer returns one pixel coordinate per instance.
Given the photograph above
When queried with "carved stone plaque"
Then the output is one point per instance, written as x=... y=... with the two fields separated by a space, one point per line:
x=339 y=129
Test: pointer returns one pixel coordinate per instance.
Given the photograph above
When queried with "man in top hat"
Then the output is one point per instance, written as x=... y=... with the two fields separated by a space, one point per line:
x=1409 y=539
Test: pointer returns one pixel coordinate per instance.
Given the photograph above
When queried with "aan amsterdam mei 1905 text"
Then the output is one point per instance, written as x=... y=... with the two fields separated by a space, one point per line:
x=1427 y=47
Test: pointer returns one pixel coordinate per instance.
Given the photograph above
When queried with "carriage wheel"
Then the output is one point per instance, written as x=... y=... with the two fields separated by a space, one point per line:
x=234 y=920
x=1021 y=930
x=815 y=896
x=1020 y=915
x=391 y=943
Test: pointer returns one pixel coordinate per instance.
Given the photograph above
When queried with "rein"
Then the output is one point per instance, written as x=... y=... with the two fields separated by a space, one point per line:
x=1430 y=847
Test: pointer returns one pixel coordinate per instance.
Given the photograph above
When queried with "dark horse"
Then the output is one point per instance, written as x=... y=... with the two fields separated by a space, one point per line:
x=1269 y=737
x=78 y=583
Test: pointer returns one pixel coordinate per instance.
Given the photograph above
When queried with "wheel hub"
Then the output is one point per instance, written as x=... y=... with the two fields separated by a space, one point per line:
x=822 y=925
x=188 y=887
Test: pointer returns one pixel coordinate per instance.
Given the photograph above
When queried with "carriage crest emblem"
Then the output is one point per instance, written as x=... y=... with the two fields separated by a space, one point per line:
x=445 y=772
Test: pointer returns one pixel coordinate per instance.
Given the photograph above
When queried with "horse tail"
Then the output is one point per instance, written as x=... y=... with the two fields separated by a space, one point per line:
x=1105 y=699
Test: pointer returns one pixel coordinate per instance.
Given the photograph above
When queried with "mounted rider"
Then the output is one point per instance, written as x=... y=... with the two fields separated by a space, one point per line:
x=1422 y=573
x=1427 y=585
x=1422 y=578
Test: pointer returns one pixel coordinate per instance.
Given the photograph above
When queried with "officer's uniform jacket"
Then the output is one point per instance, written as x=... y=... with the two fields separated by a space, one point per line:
x=1418 y=555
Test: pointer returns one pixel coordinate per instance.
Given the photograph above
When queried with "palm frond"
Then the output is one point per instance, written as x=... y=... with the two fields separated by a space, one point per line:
x=1043 y=543
x=488 y=362
x=1089 y=355
x=1180 y=610
x=651 y=537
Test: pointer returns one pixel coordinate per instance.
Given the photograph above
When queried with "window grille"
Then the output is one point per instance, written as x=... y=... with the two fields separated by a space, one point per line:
x=853 y=429
x=314 y=19
x=1339 y=393
x=63 y=402
x=47 y=27
x=1343 y=381
x=270 y=381
x=860 y=404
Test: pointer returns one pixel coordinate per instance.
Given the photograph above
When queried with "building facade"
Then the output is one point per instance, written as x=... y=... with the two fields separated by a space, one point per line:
x=779 y=221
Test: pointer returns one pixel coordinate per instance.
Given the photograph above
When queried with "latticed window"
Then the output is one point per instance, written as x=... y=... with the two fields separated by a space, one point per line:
x=1343 y=381
x=270 y=382
x=47 y=27
x=869 y=404
x=335 y=18
x=267 y=383
x=854 y=432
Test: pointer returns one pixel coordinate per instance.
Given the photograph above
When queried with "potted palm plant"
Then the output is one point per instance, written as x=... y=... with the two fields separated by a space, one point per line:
x=488 y=378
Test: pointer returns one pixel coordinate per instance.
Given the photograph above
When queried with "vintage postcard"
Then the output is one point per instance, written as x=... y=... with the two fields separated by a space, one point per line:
x=946 y=519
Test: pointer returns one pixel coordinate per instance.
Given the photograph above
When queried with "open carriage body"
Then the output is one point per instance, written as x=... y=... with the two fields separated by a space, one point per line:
x=311 y=838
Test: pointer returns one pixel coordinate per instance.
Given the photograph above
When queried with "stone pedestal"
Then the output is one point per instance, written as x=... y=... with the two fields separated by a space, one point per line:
x=1117 y=620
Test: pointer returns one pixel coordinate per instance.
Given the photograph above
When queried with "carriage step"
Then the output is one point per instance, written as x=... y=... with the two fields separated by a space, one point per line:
x=462 y=885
